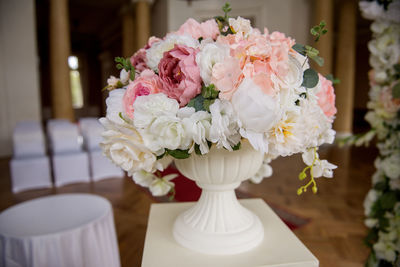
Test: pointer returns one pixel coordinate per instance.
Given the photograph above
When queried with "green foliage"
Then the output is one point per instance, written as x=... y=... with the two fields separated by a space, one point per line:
x=205 y=99
x=125 y=63
x=197 y=103
x=237 y=146
x=223 y=21
x=178 y=153
x=310 y=78
x=319 y=30
x=310 y=52
x=396 y=90
x=332 y=79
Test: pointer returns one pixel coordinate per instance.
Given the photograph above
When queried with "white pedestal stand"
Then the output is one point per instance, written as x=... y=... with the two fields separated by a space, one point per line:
x=280 y=246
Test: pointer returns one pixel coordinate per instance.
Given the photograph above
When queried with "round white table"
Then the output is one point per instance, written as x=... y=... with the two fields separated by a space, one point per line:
x=66 y=230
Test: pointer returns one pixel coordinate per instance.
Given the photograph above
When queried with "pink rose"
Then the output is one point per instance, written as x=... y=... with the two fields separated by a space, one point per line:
x=226 y=76
x=147 y=83
x=207 y=29
x=138 y=60
x=180 y=74
x=326 y=97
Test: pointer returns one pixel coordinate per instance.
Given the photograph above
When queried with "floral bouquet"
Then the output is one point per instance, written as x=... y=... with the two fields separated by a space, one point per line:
x=218 y=83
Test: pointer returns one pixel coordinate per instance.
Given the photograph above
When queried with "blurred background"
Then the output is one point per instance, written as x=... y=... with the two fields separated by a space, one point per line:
x=58 y=54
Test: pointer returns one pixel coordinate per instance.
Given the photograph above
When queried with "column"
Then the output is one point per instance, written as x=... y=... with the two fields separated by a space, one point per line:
x=59 y=52
x=142 y=22
x=324 y=11
x=345 y=66
x=128 y=31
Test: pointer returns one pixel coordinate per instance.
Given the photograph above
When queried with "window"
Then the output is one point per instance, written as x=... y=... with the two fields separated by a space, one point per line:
x=75 y=79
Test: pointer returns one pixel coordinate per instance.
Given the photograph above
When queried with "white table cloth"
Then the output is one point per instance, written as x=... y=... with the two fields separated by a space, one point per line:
x=68 y=230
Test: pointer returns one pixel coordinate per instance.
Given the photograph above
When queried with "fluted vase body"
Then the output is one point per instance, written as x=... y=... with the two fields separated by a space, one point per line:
x=218 y=223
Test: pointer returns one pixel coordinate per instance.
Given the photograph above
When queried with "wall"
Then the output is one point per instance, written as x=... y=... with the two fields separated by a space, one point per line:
x=293 y=17
x=19 y=87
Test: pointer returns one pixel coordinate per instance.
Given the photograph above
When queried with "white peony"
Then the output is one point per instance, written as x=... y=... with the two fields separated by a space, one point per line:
x=257 y=113
x=240 y=25
x=224 y=128
x=209 y=55
x=143 y=178
x=124 y=146
x=156 y=52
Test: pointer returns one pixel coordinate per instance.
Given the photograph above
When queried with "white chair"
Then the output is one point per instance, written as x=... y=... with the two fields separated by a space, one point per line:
x=101 y=167
x=30 y=166
x=70 y=162
x=62 y=230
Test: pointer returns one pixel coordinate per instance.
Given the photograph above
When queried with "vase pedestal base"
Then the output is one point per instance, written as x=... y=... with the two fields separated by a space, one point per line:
x=279 y=247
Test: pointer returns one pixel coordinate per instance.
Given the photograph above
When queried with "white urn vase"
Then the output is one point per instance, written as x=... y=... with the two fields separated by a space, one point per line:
x=218 y=223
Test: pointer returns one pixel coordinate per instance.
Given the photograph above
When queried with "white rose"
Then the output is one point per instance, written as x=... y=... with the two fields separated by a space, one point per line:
x=148 y=107
x=124 y=146
x=241 y=25
x=209 y=55
x=166 y=132
x=156 y=52
x=294 y=78
x=224 y=130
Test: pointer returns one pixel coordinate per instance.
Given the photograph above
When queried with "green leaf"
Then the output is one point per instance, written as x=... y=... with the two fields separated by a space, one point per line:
x=119 y=66
x=371 y=237
x=381 y=186
x=332 y=79
x=207 y=103
x=197 y=149
x=311 y=51
x=132 y=73
x=197 y=103
x=310 y=78
x=396 y=90
x=324 y=31
x=179 y=153
x=300 y=49
x=209 y=91
x=161 y=156
x=322 y=24
x=319 y=60
x=237 y=146
x=388 y=200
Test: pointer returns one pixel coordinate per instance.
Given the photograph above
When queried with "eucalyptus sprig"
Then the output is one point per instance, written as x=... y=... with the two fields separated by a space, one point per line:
x=125 y=63
x=223 y=21
x=319 y=30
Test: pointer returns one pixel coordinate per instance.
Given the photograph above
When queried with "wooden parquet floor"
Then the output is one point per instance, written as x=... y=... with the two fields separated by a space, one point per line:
x=334 y=234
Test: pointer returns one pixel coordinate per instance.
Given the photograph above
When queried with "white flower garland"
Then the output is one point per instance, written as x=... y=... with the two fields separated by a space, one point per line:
x=382 y=204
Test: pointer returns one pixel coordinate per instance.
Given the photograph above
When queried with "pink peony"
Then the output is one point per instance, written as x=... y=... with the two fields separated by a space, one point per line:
x=147 y=83
x=138 y=60
x=326 y=97
x=180 y=74
x=207 y=29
